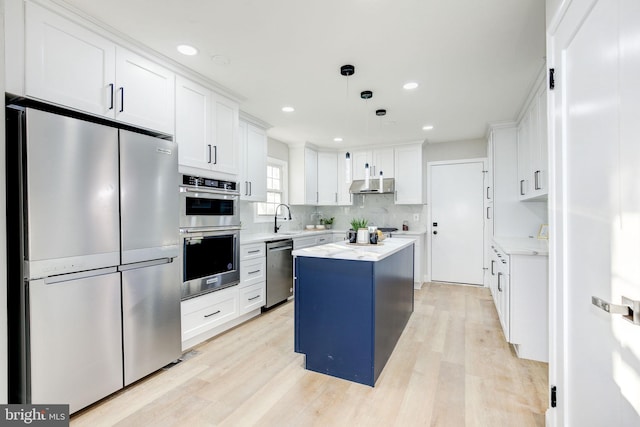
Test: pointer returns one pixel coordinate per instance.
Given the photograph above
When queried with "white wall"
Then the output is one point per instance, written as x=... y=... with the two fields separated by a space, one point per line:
x=455 y=150
x=277 y=149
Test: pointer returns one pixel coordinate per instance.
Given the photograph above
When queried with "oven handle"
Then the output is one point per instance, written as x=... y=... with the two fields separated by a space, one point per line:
x=207 y=229
x=203 y=190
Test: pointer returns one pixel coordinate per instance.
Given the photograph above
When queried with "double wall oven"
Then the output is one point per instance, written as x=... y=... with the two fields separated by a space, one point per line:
x=210 y=232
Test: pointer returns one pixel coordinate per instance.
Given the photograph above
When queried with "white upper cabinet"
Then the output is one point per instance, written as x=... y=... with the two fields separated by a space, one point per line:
x=345 y=175
x=532 y=147
x=303 y=176
x=225 y=153
x=144 y=92
x=193 y=123
x=69 y=65
x=328 y=179
x=253 y=161
x=378 y=160
x=206 y=130
x=409 y=176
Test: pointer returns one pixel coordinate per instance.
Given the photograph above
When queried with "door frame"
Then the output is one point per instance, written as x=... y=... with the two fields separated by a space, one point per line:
x=429 y=224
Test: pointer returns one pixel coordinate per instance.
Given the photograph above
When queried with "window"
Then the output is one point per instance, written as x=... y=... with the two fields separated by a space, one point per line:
x=276 y=188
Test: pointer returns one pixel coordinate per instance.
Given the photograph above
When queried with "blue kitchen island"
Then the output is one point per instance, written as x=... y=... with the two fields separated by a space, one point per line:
x=351 y=305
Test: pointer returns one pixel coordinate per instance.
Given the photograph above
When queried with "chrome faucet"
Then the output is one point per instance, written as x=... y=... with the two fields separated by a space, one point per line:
x=275 y=217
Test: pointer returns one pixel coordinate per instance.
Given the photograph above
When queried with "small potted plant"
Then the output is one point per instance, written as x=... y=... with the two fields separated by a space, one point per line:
x=357 y=224
x=327 y=222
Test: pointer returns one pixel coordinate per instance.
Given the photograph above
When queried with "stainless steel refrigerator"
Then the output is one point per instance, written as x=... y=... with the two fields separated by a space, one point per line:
x=93 y=289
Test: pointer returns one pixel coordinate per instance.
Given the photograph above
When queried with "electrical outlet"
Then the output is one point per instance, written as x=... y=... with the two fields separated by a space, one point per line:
x=416 y=217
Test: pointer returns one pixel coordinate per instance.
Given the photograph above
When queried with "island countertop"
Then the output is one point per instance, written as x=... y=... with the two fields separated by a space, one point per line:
x=347 y=251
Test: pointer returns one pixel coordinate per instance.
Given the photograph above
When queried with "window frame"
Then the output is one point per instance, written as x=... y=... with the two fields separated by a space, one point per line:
x=283 y=165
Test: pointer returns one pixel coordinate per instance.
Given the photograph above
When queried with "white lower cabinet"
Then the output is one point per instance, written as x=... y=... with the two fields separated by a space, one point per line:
x=315 y=239
x=202 y=315
x=252 y=297
x=519 y=285
x=418 y=256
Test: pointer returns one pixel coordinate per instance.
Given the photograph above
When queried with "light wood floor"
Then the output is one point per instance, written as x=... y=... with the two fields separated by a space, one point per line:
x=451 y=367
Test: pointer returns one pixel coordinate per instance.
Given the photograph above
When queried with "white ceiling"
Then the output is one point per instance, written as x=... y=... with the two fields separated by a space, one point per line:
x=475 y=60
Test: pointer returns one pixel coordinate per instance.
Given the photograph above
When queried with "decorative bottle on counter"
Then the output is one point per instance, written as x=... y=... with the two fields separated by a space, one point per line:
x=405 y=225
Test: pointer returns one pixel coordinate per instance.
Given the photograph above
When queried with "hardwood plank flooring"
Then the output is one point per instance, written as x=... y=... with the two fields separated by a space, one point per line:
x=451 y=367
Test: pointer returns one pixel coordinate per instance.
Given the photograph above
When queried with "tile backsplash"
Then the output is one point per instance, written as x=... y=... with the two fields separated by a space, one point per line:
x=377 y=209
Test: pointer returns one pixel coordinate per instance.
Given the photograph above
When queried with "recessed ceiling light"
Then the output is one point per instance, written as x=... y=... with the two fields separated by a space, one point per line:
x=288 y=109
x=337 y=139
x=427 y=127
x=186 y=49
x=410 y=85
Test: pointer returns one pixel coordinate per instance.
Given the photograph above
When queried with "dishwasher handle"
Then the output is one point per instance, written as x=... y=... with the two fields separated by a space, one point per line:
x=280 y=248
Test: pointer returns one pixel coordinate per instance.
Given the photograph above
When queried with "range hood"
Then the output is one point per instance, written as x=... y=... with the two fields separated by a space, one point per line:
x=358 y=186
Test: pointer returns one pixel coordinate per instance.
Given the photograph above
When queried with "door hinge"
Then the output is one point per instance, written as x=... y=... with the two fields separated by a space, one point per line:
x=552 y=78
x=554 y=396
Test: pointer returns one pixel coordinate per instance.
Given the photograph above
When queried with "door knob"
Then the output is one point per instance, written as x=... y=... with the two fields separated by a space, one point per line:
x=435 y=232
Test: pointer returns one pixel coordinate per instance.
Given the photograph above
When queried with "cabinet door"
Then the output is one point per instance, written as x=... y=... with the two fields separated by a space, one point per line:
x=524 y=157
x=144 y=92
x=311 y=176
x=502 y=284
x=224 y=151
x=328 y=185
x=540 y=156
x=344 y=178
x=409 y=177
x=383 y=160
x=360 y=158
x=256 y=164
x=68 y=64
x=193 y=123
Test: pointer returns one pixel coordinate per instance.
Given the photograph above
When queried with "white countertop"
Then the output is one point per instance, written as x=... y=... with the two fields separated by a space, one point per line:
x=344 y=250
x=246 y=238
x=522 y=245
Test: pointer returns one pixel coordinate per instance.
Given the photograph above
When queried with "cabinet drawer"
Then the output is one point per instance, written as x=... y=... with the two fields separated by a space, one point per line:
x=208 y=311
x=252 y=297
x=321 y=240
x=253 y=271
x=252 y=250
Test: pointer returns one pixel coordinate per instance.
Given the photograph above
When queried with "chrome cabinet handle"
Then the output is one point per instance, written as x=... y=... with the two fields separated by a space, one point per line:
x=250 y=188
x=215 y=155
x=493 y=273
x=254 y=252
x=522 y=187
x=536 y=178
x=251 y=299
x=212 y=314
x=488 y=193
x=254 y=272
x=499 y=284
x=488 y=208
x=209 y=145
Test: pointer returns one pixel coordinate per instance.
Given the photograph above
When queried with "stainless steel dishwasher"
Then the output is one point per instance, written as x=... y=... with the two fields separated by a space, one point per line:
x=279 y=271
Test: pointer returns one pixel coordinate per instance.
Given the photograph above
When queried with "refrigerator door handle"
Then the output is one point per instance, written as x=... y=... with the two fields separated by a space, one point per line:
x=144 y=264
x=51 y=280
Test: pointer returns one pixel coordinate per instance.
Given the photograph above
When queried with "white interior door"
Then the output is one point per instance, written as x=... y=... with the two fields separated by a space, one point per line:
x=457 y=232
x=595 y=213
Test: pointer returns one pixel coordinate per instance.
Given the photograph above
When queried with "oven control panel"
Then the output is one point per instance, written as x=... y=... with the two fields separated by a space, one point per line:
x=196 y=181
